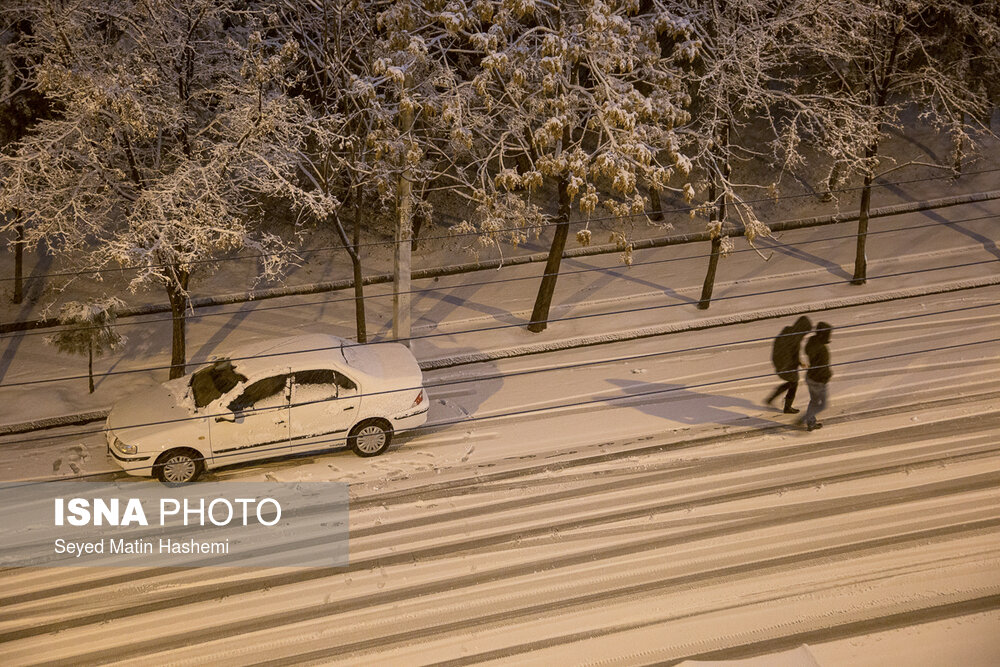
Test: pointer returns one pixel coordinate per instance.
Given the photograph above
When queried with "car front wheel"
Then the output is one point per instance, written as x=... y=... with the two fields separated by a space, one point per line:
x=178 y=466
x=370 y=438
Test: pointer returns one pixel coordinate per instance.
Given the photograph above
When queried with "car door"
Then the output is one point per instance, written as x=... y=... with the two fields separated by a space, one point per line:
x=252 y=421
x=324 y=407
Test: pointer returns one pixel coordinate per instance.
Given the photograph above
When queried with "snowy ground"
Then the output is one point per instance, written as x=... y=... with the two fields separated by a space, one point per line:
x=626 y=503
x=475 y=313
x=636 y=528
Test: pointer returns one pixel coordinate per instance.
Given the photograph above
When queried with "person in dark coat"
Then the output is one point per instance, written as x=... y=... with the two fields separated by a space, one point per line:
x=818 y=375
x=785 y=357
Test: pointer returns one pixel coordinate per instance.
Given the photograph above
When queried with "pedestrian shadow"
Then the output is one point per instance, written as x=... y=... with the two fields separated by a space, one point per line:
x=678 y=403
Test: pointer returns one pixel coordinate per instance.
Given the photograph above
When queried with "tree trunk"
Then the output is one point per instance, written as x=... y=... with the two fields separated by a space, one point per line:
x=401 y=256
x=418 y=222
x=718 y=213
x=860 y=259
x=831 y=183
x=419 y=218
x=879 y=94
x=713 y=264
x=178 y=309
x=359 y=287
x=19 y=265
x=90 y=365
x=958 y=154
x=654 y=200
x=543 y=301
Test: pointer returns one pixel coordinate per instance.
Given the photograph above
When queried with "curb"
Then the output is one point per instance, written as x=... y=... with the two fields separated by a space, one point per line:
x=471 y=267
x=441 y=363
x=78 y=419
x=707 y=323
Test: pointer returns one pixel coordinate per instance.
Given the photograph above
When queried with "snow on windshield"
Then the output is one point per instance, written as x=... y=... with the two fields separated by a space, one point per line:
x=210 y=383
x=262 y=394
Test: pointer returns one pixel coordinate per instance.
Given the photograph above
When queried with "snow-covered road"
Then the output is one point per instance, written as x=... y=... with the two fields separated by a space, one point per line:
x=698 y=383
x=635 y=526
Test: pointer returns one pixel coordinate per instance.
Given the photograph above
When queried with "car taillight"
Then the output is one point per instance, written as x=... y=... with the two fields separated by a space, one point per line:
x=419 y=399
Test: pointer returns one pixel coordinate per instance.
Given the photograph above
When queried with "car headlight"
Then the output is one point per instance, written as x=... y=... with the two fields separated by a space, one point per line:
x=123 y=448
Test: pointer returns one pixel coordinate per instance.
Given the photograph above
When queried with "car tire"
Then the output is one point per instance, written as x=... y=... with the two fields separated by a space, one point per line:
x=179 y=466
x=370 y=437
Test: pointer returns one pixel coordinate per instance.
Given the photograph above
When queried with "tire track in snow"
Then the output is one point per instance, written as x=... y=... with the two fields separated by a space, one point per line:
x=742 y=648
x=705 y=577
x=216 y=591
x=704 y=469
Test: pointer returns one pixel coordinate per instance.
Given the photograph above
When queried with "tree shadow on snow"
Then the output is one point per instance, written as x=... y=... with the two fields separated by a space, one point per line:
x=613 y=275
x=33 y=286
x=206 y=349
x=989 y=245
x=801 y=255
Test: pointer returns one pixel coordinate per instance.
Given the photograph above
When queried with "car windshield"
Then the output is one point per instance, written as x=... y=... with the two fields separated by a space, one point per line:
x=210 y=383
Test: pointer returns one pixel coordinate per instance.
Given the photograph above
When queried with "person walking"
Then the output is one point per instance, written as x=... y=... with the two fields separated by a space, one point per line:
x=785 y=357
x=818 y=375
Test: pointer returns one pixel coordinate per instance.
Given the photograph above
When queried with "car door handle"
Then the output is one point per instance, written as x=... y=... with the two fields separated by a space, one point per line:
x=348 y=408
x=280 y=422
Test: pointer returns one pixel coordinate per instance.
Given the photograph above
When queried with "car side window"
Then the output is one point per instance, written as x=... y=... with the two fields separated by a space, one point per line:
x=321 y=376
x=266 y=393
x=325 y=376
x=321 y=384
x=346 y=384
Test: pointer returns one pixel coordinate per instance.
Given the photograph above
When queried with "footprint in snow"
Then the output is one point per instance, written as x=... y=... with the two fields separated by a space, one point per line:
x=75 y=457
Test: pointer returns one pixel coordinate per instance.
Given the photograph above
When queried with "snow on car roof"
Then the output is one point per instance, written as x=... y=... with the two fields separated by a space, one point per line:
x=312 y=350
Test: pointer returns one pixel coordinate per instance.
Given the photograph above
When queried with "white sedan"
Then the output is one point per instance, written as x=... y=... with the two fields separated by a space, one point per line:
x=282 y=397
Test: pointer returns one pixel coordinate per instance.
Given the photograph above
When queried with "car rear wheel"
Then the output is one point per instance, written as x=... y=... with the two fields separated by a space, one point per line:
x=178 y=466
x=370 y=438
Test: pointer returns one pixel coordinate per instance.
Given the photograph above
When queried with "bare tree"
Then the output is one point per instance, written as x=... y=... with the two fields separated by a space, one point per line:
x=377 y=93
x=735 y=57
x=576 y=93
x=174 y=123
x=21 y=106
x=888 y=54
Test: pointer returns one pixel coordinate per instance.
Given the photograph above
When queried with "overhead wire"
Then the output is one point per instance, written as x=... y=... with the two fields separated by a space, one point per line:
x=501 y=326
x=627 y=311
x=324 y=249
x=527 y=411
x=775 y=246
x=503 y=376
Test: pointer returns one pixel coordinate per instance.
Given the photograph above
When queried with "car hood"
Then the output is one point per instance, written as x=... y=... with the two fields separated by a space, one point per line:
x=150 y=413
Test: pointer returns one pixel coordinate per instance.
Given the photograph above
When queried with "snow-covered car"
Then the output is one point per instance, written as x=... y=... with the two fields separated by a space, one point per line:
x=281 y=397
